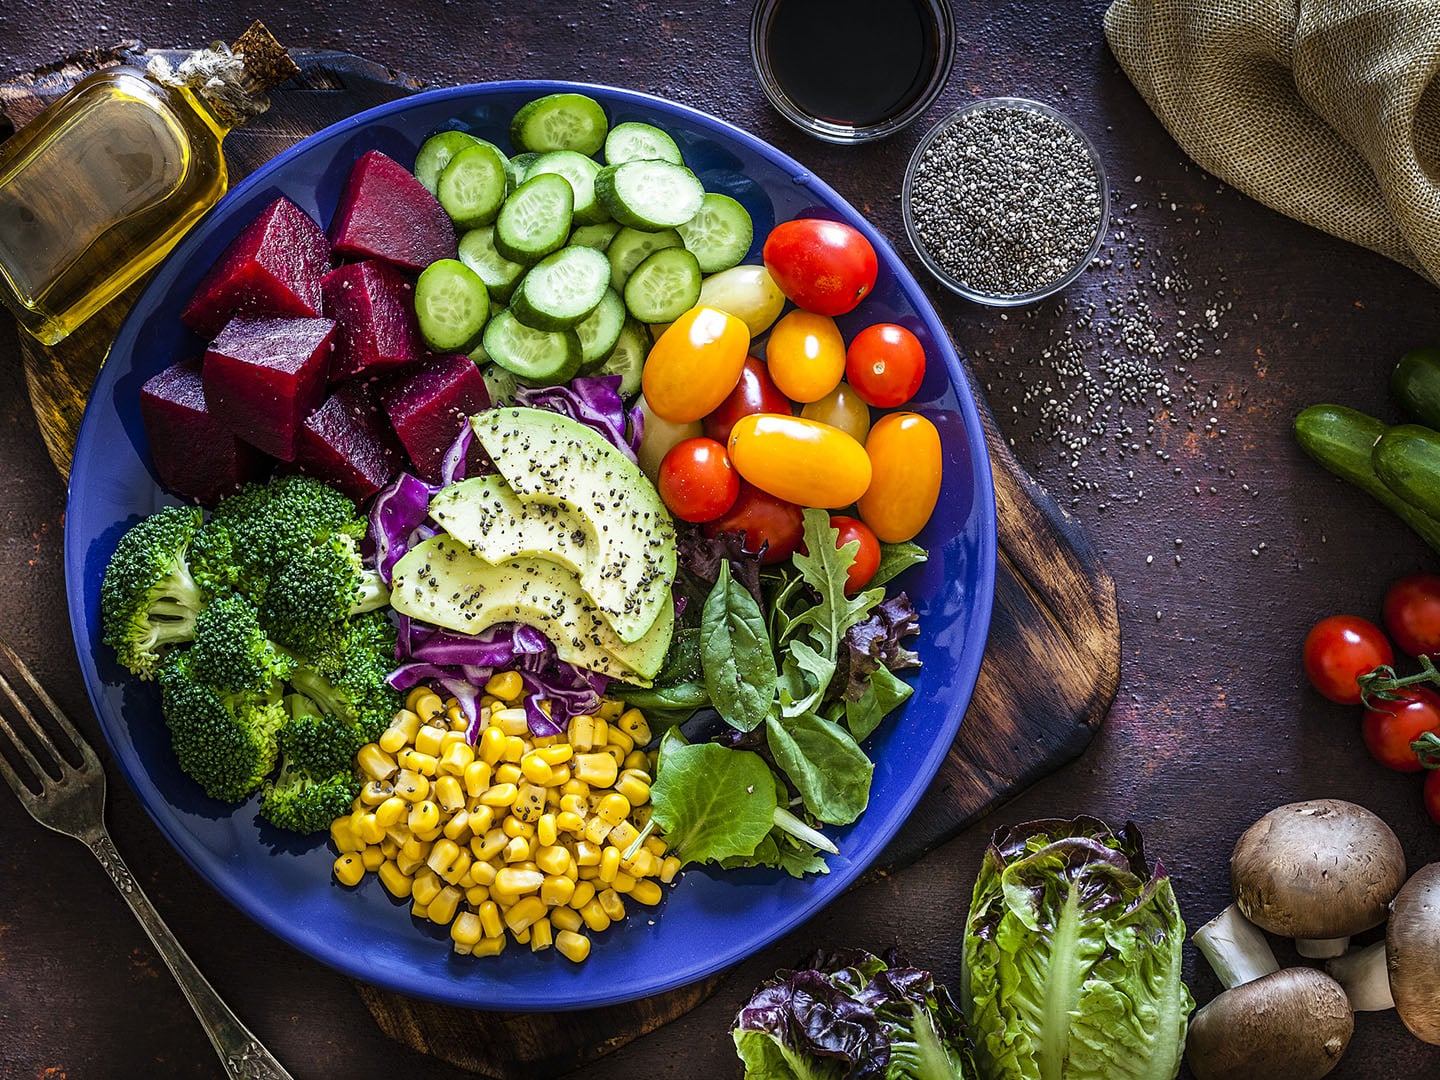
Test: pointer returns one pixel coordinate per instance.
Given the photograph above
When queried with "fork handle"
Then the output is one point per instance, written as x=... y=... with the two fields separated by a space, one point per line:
x=241 y=1054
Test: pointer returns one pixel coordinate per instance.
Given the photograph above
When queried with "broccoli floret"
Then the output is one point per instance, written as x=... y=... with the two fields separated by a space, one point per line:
x=149 y=599
x=317 y=742
x=300 y=803
x=317 y=781
x=226 y=741
x=348 y=680
x=232 y=651
x=311 y=596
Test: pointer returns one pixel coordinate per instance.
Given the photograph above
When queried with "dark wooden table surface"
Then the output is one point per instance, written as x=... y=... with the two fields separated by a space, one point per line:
x=1225 y=542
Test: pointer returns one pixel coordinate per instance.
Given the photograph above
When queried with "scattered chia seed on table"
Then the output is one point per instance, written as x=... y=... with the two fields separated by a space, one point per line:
x=1006 y=200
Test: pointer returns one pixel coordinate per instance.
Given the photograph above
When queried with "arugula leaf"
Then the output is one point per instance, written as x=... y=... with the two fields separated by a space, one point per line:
x=783 y=852
x=712 y=803
x=884 y=691
x=827 y=767
x=895 y=559
x=738 y=660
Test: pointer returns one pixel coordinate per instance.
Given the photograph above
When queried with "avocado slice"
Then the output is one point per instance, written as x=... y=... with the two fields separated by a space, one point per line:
x=439 y=581
x=630 y=551
x=492 y=521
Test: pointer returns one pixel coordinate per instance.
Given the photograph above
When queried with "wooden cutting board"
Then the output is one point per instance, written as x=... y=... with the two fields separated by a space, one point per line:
x=1051 y=667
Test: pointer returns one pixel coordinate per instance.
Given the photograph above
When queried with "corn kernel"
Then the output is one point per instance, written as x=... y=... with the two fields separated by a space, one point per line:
x=520 y=882
x=458 y=720
x=477 y=778
x=611 y=709
x=656 y=846
x=466 y=929
x=427 y=739
x=388 y=847
x=646 y=892
x=559 y=776
x=522 y=914
x=595 y=917
x=597 y=770
x=492 y=745
x=411 y=786
x=490 y=946
x=408 y=864
x=517 y=850
x=449 y=794
x=515 y=749
x=642 y=864
x=574 y=947
x=476 y=895
x=565 y=821
x=482 y=818
x=596 y=830
x=374 y=762
x=669 y=868
x=615 y=754
x=586 y=853
x=372 y=857
x=453 y=738
x=575 y=786
x=565 y=918
x=623 y=883
x=505 y=684
x=600 y=732
x=490 y=919
x=396 y=882
x=522 y=936
x=609 y=863
x=623 y=835
x=511 y=721
x=621 y=741
x=442 y=856
x=349 y=869
x=499 y=795
x=634 y=724
x=508 y=772
x=415 y=761
x=489 y=845
x=557 y=891
x=442 y=908
x=529 y=802
x=426 y=887
x=426 y=705
x=483 y=872
x=458 y=827
x=342 y=835
x=391 y=812
x=554 y=754
x=536 y=769
x=404 y=726
x=552 y=860
x=541 y=935
x=502 y=898
x=613 y=809
x=376 y=792
x=636 y=759
x=424 y=815
x=419 y=910
x=635 y=790
x=640 y=816
x=581 y=733
x=611 y=904
x=583 y=894
x=545 y=830
x=457 y=758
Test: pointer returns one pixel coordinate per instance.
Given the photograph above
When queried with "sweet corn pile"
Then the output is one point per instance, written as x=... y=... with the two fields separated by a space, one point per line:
x=517 y=834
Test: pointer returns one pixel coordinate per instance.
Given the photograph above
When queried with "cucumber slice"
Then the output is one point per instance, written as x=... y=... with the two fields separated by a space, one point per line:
x=580 y=171
x=451 y=306
x=542 y=357
x=473 y=186
x=560 y=122
x=596 y=236
x=640 y=142
x=600 y=330
x=664 y=286
x=535 y=219
x=719 y=235
x=517 y=168
x=435 y=153
x=562 y=289
x=627 y=359
x=477 y=251
x=649 y=194
x=631 y=247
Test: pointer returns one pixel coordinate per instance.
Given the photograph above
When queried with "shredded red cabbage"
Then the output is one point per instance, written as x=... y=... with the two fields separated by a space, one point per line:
x=399 y=520
x=594 y=402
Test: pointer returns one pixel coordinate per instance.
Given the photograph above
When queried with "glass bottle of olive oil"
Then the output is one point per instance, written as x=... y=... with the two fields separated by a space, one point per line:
x=101 y=185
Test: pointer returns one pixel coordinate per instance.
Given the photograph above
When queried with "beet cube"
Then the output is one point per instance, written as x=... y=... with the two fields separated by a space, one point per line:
x=385 y=213
x=263 y=377
x=348 y=443
x=374 y=312
x=194 y=454
x=428 y=406
x=273 y=267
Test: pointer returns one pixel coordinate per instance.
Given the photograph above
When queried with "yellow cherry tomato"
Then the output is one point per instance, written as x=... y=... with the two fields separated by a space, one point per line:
x=798 y=460
x=841 y=408
x=806 y=355
x=695 y=364
x=904 y=453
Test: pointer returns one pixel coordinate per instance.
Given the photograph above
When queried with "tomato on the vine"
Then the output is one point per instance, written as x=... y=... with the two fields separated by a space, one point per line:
x=885 y=363
x=773 y=524
x=755 y=392
x=823 y=266
x=867 y=558
x=697 y=481
x=1432 y=795
x=1412 y=614
x=1338 y=650
x=1390 y=727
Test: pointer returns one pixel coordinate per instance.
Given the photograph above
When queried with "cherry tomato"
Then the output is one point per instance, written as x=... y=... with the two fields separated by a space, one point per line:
x=867 y=559
x=695 y=364
x=772 y=526
x=1412 y=614
x=886 y=364
x=841 y=408
x=1340 y=649
x=799 y=460
x=1432 y=795
x=823 y=266
x=1391 y=726
x=806 y=355
x=754 y=393
x=697 y=481
x=904 y=452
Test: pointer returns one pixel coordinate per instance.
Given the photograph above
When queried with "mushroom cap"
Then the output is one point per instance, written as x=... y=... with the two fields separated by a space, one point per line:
x=1289 y=1025
x=1325 y=868
x=1412 y=953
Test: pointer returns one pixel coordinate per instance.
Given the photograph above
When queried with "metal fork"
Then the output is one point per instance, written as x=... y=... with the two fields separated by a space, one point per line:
x=74 y=804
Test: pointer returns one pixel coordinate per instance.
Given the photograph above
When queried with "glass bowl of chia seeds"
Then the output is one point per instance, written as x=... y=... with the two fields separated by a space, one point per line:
x=1006 y=201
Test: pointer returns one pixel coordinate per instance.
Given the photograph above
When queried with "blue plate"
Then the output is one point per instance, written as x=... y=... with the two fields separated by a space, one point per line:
x=711 y=919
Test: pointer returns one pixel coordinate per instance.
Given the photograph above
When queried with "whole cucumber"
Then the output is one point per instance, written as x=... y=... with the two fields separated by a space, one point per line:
x=1415 y=382
x=1407 y=459
x=1342 y=440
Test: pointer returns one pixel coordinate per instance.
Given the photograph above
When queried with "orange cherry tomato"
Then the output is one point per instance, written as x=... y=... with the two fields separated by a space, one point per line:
x=799 y=460
x=867 y=556
x=806 y=355
x=904 y=452
x=841 y=408
x=695 y=364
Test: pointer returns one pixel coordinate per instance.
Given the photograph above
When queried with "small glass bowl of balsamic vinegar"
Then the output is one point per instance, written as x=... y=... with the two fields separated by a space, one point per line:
x=850 y=71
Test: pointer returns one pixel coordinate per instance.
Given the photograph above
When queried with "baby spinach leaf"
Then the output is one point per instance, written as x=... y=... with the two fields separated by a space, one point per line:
x=807 y=674
x=895 y=559
x=883 y=692
x=826 y=765
x=713 y=803
x=736 y=654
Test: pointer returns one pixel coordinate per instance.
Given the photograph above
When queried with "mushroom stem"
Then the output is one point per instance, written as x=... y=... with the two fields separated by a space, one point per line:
x=1236 y=948
x=1366 y=979
x=1322 y=948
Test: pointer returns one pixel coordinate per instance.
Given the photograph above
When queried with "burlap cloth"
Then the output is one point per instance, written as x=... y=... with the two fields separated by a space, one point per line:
x=1325 y=110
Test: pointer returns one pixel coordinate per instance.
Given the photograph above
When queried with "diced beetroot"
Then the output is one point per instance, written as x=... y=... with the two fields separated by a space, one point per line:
x=385 y=213
x=428 y=406
x=348 y=443
x=263 y=377
x=374 y=312
x=274 y=268
x=194 y=454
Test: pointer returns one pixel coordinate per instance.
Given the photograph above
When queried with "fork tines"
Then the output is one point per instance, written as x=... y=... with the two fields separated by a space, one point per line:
x=15 y=712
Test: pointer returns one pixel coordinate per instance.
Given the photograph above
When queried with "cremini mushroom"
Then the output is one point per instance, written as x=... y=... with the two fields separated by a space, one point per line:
x=1403 y=971
x=1318 y=872
x=1235 y=947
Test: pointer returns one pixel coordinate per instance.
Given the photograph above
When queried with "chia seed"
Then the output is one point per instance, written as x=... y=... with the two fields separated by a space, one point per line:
x=1006 y=200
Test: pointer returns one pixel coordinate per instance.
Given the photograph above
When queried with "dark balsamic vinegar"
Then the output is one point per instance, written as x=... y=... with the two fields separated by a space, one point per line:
x=853 y=62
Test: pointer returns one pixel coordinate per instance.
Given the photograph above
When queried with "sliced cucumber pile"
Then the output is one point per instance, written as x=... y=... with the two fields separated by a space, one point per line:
x=571 y=244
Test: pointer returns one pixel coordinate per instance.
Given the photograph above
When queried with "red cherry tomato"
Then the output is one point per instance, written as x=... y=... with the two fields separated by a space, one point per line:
x=756 y=392
x=1391 y=726
x=1432 y=795
x=1340 y=649
x=823 y=266
x=768 y=522
x=867 y=559
x=885 y=363
x=697 y=481
x=1412 y=614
